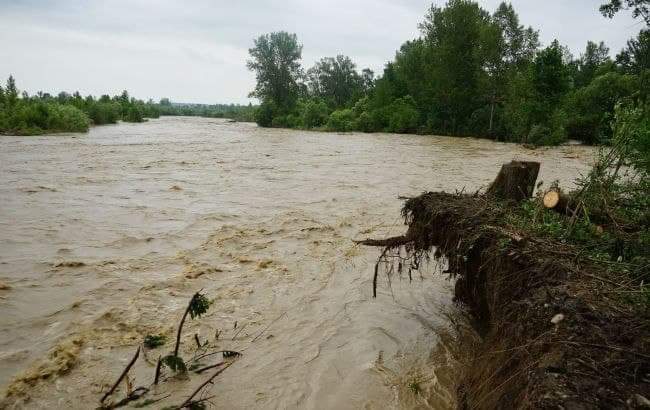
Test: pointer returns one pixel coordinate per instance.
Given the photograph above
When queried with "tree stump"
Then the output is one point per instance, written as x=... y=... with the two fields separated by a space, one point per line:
x=515 y=181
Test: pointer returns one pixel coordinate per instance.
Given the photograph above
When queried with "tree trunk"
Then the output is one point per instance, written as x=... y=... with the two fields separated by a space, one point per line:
x=515 y=181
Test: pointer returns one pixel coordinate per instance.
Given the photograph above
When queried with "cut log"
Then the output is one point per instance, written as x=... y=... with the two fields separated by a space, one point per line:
x=551 y=198
x=515 y=181
x=558 y=201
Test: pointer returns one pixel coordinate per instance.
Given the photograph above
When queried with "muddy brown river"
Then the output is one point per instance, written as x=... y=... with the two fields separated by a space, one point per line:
x=105 y=236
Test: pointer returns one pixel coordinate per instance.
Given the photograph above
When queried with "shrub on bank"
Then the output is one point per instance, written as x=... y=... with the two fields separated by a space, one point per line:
x=341 y=120
x=66 y=118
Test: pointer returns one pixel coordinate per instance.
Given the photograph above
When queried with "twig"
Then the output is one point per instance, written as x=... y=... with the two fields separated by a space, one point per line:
x=124 y=372
x=187 y=402
x=212 y=366
x=180 y=326
x=158 y=365
x=196 y=339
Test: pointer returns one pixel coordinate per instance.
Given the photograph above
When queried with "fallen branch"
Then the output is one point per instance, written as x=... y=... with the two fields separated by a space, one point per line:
x=124 y=372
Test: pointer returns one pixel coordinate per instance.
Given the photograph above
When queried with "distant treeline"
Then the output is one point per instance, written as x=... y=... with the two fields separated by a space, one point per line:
x=245 y=113
x=24 y=114
x=470 y=73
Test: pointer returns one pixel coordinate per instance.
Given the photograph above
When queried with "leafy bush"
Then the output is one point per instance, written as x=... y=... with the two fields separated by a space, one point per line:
x=314 y=113
x=67 y=118
x=134 y=114
x=341 y=120
x=265 y=113
x=591 y=109
x=104 y=113
x=404 y=116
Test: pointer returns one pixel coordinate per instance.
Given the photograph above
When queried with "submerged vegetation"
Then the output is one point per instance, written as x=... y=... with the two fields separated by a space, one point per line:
x=22 y=114
x=470 y=73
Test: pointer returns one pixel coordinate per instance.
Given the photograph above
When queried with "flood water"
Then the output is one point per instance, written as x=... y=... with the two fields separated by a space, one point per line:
x=104 y=237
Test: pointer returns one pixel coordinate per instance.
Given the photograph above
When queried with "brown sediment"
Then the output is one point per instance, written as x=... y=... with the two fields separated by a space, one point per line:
x=552 y=332
x=59 y=362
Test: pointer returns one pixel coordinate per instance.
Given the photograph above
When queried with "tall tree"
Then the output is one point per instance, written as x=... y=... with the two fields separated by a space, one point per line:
x=511 y=48
x=454 y=36
x=519 y=43
x=275 y=59
x=335 y=80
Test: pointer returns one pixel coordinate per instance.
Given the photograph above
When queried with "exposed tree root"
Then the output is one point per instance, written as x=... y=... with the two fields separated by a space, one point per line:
x=551 y=337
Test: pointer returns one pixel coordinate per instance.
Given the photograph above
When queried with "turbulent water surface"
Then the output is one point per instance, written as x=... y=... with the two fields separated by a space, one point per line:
x=104 y=237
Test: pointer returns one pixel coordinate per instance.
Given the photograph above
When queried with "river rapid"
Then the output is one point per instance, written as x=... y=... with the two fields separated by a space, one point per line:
x=104 y=238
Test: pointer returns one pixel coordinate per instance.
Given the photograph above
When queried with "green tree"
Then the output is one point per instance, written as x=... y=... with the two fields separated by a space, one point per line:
x=454 y=36
x=594 y=57
x=275 y=59
x=335 y=80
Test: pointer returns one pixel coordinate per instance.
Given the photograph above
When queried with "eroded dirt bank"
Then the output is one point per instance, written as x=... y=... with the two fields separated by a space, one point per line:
x=104 y=238
x=554 y=330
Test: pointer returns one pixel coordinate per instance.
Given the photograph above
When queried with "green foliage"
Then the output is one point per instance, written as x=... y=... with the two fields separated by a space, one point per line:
x=243 y=113
x=336 y=81
x=199 y=305
x=275 y=59
x=591 y=108
x=341 y=120
x=133 y=114
x=609 y=222
x=175 y=363
x=640 y=8
x=265 y=113
x=104 y=113
x=314 y=113
x=404 y=116
x=153 y=341
x=41 y=113
x=66 y=118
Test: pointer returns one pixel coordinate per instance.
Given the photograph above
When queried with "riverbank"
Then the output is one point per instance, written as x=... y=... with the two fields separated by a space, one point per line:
x=558 y=326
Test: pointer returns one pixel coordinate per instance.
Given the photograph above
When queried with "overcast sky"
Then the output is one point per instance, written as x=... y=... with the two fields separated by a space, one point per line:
x=196 y=51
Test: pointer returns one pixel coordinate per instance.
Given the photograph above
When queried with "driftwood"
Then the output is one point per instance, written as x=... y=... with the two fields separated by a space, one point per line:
x=515 y=181
x=124 y=372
